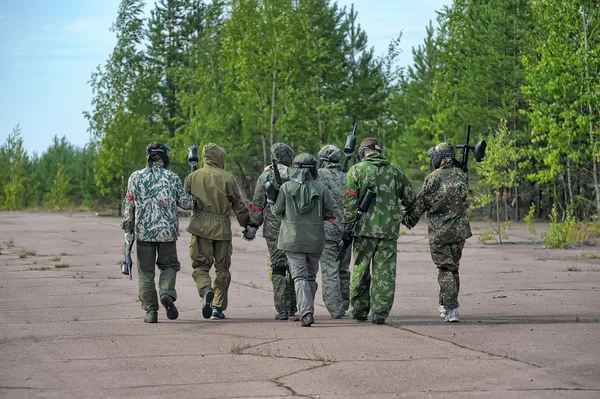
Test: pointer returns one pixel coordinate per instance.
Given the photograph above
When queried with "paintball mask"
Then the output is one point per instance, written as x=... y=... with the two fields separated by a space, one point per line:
x=303 y=161
x=368 y=144
x=440 y=152
x=158 y=150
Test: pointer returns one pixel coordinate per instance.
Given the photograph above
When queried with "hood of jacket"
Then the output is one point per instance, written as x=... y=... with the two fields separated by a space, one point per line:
x=213 y=155
x=376 y=159
x=282 y=153
x=304 y=195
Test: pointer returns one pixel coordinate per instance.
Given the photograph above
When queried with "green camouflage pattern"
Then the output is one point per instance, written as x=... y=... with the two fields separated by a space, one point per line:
x=393 y=191
x=335 y=276
x=373 y=287
x=150 y=205
x=284 y=296
x=447 y=259
x=443 y=197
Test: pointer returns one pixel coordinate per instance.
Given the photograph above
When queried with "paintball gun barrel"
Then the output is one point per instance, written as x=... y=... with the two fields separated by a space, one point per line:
x=363 y=208
x=349 y=147
x=127 y=264
x=478 y=152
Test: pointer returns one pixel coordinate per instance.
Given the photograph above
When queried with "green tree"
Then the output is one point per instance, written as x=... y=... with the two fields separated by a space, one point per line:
x=14 y=189
x=59 y=193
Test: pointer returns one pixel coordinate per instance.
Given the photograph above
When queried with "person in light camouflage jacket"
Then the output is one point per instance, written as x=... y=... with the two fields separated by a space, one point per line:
x=375 y=235
x=150 y=215
x=443 y=197
x=335 y=276
x=284 y=295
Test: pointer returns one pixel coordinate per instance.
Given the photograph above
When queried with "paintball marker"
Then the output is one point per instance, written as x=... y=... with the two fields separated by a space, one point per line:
x=363 y=207
x=349 y=147
x=193 y=156
x=478 y=151
x=127 y=263
x=273 y=191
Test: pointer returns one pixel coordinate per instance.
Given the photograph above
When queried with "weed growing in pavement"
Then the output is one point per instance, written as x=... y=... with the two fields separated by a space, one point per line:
x=39 y=268
x=238 y=349
x=55 y=259
x=573 y=269
x=61 y=266
x=530 y=222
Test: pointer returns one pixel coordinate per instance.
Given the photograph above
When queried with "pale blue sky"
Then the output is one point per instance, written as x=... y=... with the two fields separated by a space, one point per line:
x=48 y=48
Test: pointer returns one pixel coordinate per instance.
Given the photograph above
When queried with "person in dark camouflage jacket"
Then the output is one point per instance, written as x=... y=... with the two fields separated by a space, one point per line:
x=335 y=276
x=443 y=197
x=260 y=215
x=150 y=215
x=376 y=234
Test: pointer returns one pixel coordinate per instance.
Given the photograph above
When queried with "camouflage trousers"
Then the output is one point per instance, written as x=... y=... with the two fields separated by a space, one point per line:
x=284 y=294
x=205 y=253
x=149 y=256
x=335 y=280
x=447 y=259
x=373 y=277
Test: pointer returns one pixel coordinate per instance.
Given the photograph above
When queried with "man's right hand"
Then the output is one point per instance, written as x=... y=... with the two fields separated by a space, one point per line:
x=347 y=236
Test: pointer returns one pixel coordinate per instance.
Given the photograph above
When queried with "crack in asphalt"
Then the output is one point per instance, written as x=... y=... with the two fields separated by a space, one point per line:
x=465 y=347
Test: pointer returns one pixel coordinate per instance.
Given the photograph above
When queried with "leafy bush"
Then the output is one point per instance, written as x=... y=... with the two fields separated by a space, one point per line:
x=560 y=235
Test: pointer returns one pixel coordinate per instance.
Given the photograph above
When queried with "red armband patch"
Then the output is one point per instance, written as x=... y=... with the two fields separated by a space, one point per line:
x=254 y=207
x=129 y=197
x=350 y=192
x=331 y=219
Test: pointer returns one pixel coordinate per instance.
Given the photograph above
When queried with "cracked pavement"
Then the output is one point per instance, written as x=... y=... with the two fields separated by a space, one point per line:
x=529 y=325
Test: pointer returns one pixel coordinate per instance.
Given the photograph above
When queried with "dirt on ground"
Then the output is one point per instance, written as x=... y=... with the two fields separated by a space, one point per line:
x=71 y=325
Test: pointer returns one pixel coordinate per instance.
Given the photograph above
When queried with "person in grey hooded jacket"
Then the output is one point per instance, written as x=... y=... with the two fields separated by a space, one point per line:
x=304 y=204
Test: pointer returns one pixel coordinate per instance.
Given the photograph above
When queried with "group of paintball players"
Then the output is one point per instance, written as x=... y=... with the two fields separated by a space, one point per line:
x=311 y=211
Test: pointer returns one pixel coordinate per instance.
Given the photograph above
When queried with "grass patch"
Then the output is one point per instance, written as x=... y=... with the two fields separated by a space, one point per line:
x=55 y=259
x=64 y=254
x=573 y=269
x=79 y=275
x=584 y=255
x=113 y=278
x=61 y=266
x=39 y=268
x=25 y=253
x=75 y=318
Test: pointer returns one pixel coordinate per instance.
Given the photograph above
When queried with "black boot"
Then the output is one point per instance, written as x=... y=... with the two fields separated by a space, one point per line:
x=168 y=303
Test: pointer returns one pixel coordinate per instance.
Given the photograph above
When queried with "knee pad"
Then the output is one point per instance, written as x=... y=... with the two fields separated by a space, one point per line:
x=278 y=270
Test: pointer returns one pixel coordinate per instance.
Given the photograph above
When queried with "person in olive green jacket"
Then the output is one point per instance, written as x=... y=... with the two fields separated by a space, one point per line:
x=305 y=204
x=216 y=193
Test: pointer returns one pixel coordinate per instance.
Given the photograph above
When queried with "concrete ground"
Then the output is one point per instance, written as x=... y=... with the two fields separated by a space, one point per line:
x=71 y=325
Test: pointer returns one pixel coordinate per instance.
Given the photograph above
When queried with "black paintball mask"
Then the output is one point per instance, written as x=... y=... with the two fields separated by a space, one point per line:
x=310 y=165
x=439 y=153
x=362 y=150
x=159 y=150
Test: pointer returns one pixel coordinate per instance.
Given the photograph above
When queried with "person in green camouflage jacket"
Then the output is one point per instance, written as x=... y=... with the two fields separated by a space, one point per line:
x=377 y=232
x=335 y=276
x=150 y=215
x=443 y=197
x=260 y=215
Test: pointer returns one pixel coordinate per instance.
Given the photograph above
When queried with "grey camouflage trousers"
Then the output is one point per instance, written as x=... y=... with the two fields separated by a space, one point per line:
x=447 y=259
x=335 y=279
